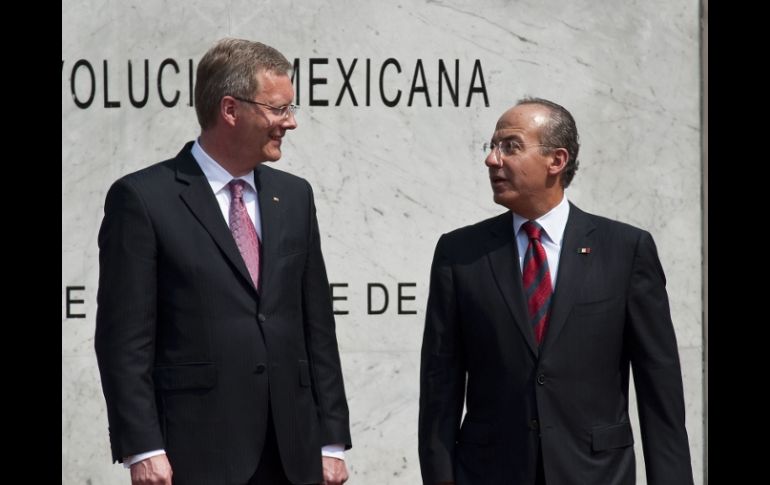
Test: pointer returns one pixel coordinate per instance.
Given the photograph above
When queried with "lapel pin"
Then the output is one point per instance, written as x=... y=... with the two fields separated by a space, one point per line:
x=584 y=250
x=276 y=199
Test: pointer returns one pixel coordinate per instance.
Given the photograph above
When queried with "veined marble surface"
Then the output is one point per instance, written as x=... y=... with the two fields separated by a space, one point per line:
x=390 y=180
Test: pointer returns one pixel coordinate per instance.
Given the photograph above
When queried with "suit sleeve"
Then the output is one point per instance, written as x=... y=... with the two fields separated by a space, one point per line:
x=657 y=373
x=126 y=320
x=320 y=334
x=442 y=375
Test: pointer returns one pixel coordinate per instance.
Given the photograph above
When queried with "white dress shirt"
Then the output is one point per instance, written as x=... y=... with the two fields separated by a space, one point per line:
x=218 y=178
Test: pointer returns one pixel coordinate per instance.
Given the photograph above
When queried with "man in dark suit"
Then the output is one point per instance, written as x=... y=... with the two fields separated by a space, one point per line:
x=534 y=318
x=215 y=334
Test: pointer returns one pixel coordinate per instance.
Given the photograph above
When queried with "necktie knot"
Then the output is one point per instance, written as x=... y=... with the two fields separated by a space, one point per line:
x=236 y=188
x=532 y=229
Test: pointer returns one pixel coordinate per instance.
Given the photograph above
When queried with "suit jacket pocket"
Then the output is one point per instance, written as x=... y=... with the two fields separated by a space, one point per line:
x=304 y=373
x=289 y=251
x=478 y=433
x=613 y=436
x=602 y=305
x=194 y=375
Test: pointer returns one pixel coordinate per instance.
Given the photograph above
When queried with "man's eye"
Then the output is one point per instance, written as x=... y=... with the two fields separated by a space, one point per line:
x=510 y=146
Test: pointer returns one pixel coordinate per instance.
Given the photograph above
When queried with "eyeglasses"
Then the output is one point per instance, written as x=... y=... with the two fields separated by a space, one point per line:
x=508 y=148
x=279 y=112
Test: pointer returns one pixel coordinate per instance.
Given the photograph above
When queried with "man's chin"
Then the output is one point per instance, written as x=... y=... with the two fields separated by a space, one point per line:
x=273 y=156
x=502 y=198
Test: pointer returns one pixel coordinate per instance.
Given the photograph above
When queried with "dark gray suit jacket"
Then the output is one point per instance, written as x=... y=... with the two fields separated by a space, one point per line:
x=187 y=347
x=570 y=397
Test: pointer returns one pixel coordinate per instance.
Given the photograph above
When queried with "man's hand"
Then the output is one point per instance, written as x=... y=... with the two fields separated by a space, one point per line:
x=335 y=471
x=155 y=470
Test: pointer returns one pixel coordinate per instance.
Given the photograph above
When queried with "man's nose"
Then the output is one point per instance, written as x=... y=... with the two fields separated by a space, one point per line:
x=290 y=122
x=491 y=160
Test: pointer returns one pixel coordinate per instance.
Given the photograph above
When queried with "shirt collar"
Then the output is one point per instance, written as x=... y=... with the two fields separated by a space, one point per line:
x=553 y=222
x=217 y=176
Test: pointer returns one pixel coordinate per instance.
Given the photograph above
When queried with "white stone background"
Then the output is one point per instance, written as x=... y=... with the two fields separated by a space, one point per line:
x=390 y=181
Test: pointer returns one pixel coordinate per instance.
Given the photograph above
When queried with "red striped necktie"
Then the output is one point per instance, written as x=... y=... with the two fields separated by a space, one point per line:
x=537 y=281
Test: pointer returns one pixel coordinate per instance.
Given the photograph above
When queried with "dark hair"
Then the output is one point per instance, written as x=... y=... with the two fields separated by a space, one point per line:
x=559 y=131
x=230 y=68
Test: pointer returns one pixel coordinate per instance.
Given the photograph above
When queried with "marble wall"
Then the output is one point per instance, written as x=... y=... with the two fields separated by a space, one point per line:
x=389 y=180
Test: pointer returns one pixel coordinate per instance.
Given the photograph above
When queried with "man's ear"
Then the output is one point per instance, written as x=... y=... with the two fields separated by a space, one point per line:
x=228 y=110
x=559 y=160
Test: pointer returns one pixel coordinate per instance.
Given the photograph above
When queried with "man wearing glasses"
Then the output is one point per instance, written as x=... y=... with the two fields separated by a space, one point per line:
x=215 y=334
x=534 y=318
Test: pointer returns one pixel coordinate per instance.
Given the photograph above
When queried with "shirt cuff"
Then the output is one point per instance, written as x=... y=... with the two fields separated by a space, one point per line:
x=334 y=451
x=130 y=460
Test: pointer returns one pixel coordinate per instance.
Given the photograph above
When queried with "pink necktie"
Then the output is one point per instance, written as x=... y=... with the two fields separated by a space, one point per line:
x=537 y=281
x=243 y=231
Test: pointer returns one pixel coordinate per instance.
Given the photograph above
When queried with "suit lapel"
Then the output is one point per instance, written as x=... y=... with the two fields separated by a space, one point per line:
x=201 y=201
x=573 y=267
x=271 y=210
x=503 y=259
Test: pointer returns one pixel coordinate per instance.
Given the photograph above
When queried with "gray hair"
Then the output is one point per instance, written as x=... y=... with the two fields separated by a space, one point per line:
x=559 y=131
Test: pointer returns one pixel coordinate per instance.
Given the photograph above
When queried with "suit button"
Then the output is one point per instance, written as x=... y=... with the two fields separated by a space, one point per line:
x=261 y=318
x=260 y=369
x=541 y=379
x=533 y=425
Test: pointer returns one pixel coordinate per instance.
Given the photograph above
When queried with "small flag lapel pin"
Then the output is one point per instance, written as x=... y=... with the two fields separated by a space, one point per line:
x=584 y=250
x=276 y=199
